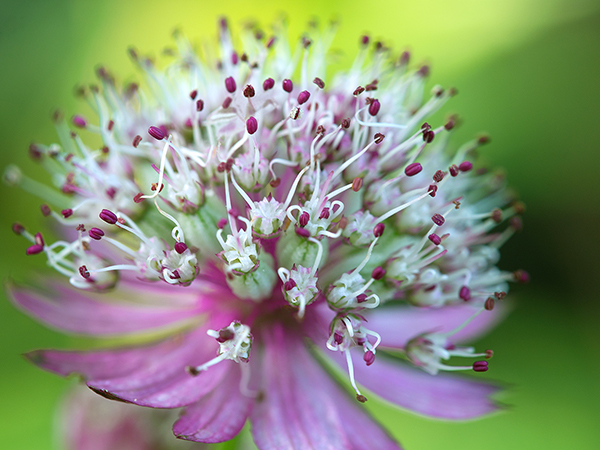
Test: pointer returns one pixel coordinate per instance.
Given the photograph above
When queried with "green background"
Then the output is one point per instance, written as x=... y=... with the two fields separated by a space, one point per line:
x=528 y=72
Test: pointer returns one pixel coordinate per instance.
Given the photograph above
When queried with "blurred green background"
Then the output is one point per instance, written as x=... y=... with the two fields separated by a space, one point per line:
x=528 y=72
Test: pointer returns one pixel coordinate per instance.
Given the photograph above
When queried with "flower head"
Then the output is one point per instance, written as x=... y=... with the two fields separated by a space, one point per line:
x=259 y=219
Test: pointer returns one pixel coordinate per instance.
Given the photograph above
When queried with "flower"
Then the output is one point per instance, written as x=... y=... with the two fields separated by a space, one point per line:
x=259 y=231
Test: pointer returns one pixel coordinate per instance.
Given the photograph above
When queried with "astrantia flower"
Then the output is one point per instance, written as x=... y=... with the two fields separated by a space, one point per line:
x=270 y=226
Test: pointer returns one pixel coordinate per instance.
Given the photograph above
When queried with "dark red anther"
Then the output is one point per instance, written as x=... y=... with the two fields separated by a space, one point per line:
x=346 y=123
x=378 y=230
x=359 y=90
x=180 y=247
x=46 y=211
x=357 y=184
x=156 y=133
x=79 y=122
x=34 y=249
x=194 y=94
x=374 y=107
x=221 y=223
x=361 y=398
x=438 y=176
x=302 y=232
x=138 y=197
x=199 y=105
x=428 y=136
x=136 y=141
x=489 y=303
x=432 y=190
x=230 y=85
x=520 y=276
x=249 y=91
x=225 y=334
x=516 y=223
x=450 y=124
x=465 y=166
x=435 y=239
x=496 y=215
x=413 y=169
x=320 y=83
x=289 y=284
x=221 y=167
x=268 y=84
x=244 y=57
x=364 y=40
x=304 y=219
x=105 y=150
x=227 y=102
x=251 y=125
x=80 y=227
x=320 y=130
x=18 y=228
x=489 y=354
x=500 y=295
x=67 y=213
x=423 y=71
x=228 y=166
x=425 y=127
x=270 y=42
x=480 y=366
x=108 y=216
x=338 y=338
x=369 y=357
x=378 y=273
x=484 y=139
x=287 y=85
x=324 y=214
x=303 y=97
x=276 y=182
x=379 y=138
x=39 y=239
x=438 y=219
x=96 y=233
x=453 y=170
x=465 y=293
x=84 y=272
x=34 y=152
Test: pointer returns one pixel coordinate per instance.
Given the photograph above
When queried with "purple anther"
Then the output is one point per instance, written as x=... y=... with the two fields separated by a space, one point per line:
x=432 y=190
x=483 y=139
x=439 y=176
x=138 y=197
x=304 y=219
x=465 y=166
x=287 y=85
x=357 y=184
x=450 y=124
x=225 y=334
x=520 y=276
x=324 y=213
x=111 y=192
x=438 y=219
x=379 y=138
x=271 y=41
x=435 y=239
x=465 y=293
x=374 y=107
x=35 y=249
x=489 y=354
x=180 y=247
x=268 y=84
x=369 y=357
x=18 y=228
x=84 y=272
x=67 y=213
x=108 y=216
x=249 y=91
x=378 y=273
x=428 y=136
x=453 y=170
x=230 y=85
x=338 y=338
x=302 y=232
x=234 y=58
x=227 y=102
x=199 y=105
x=359 y=90
x=516 y=223
x=194 y=94
x=364 y=40
x=136 y=141
x=346 y=123
x=378 y=230
x=39 y=239
x=413 y=169
x=361 y=298
x=156 y=133
x=96 y=233
x=496 y=215
x=175 y=275
x=320 y=83
x=303 y=97
x=221 y=223
x=251 y=125
x=289 y=284
x=79 y=122
x=489 y=303
x=480 y=366
x=46 y=211
x=423 y=71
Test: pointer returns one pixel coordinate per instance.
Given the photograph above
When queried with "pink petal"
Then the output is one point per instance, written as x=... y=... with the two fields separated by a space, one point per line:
x=149 y=376
x=302 y=407
x=218 y=416
x=440 y=396
x=84 y=313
